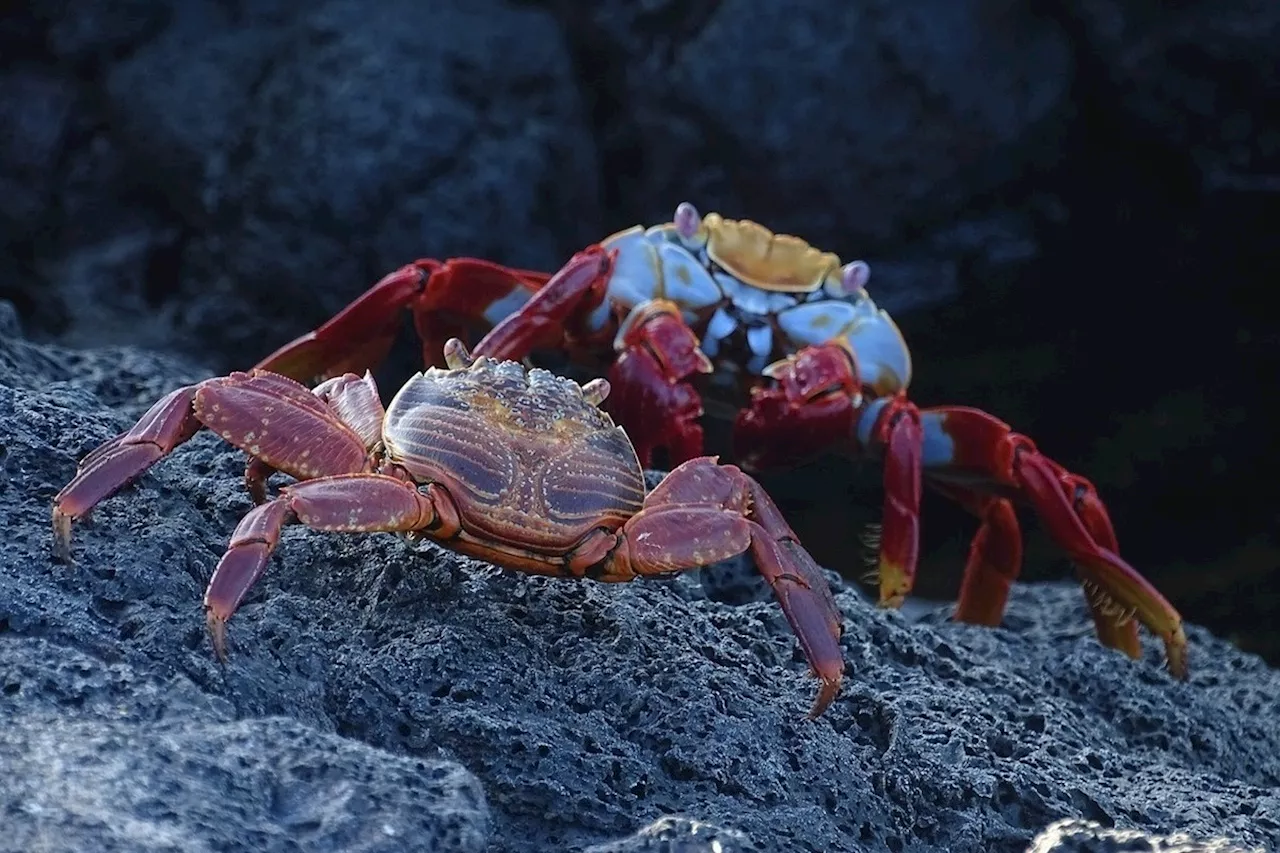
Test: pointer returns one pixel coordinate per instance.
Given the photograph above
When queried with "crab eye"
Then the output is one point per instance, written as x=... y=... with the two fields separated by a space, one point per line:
x=687 y=220
x=853 y=278
x=596 y=391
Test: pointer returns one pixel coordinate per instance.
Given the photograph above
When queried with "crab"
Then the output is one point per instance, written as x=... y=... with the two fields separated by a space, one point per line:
x=707 y=312
x=518 y=467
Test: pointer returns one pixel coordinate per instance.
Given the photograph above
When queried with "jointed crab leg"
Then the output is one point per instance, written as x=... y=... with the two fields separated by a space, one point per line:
x=445 y=298
x=978 y=460
x=358 y=502
x=258 y=412
x=106 y=469
x=969 y=449
x=703 y=513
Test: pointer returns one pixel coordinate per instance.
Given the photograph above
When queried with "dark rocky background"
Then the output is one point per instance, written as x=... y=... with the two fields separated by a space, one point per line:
x=1069 y=206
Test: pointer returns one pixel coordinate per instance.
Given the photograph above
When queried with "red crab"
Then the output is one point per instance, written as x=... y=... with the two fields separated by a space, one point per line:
x=789 y=338
x=519 y=468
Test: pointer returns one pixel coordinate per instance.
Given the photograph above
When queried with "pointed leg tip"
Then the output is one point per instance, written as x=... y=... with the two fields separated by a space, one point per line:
x=895 y=585
x=826 y=695
x=217 y=627
x=61 y=535
x=1176 y=656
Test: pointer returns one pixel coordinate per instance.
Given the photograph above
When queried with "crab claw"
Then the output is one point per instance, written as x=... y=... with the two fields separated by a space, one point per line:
x=652 y=394
x=810 y=406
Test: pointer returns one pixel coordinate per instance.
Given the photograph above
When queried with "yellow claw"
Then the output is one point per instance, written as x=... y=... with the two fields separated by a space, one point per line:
x=777 y=262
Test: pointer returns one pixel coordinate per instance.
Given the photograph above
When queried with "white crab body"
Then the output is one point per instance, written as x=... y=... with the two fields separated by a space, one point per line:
x=753 y=297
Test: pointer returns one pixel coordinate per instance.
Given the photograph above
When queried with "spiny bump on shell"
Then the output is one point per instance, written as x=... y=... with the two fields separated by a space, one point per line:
x=456 y=355
x=596 y=391
x=538 y=395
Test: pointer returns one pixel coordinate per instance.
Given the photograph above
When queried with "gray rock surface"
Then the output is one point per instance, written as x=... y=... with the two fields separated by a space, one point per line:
x=313 y=155
x=383 y=679
x=861 y=120
x=243 y=166
x=101 y=757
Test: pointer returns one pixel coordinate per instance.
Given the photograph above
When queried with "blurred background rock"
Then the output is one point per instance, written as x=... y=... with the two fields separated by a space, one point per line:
x=1070 y=206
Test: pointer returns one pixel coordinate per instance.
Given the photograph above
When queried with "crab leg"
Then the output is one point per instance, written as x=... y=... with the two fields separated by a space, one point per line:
x=259 y=412
x=446 y=299
x=995 y=556
x=815 y=403
x=111 y=466
x=703 y=513
x=560 y=304
x=347 y=503
x=968 y=450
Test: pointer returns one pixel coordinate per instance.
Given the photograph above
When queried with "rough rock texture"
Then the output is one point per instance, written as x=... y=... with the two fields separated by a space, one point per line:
x=373 y=682
x=100 y=756
x=1202 y=83
x=860 y=120
x=243 y=169
x=272 y=163
x=1087 y=836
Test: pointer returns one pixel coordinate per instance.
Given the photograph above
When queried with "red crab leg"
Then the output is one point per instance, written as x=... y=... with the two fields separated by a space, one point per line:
x=703 y=513
x=995 y=561
x=111 y=466
x=344 y=503
x=892 y=426
x=974 y=458
x=995 y=556
x=261 y=413
x=651 y=394
x=542 y=321
x=970 y=450
x=446 y=299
